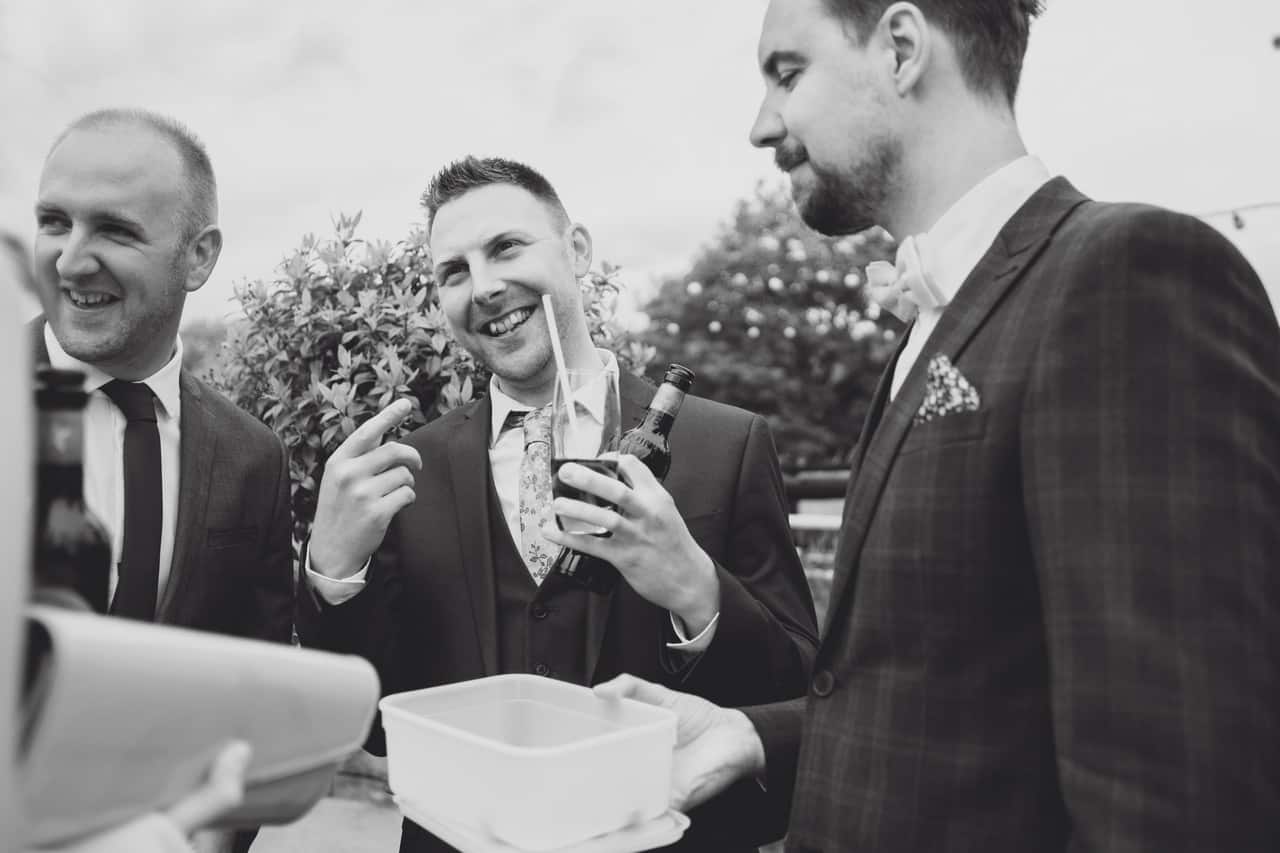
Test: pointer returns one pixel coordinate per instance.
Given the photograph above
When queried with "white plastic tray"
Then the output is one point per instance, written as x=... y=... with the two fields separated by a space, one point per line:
x=540 y=764
x=666 y=829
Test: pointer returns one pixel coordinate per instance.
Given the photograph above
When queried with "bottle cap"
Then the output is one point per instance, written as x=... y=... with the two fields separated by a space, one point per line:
x=59 y=389
x=679 y=376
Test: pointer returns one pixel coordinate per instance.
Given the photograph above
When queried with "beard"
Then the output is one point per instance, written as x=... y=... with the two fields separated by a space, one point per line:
x=847 y=201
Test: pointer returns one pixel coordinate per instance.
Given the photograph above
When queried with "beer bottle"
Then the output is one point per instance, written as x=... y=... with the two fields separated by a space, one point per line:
x=72 y=550
x=648 y=442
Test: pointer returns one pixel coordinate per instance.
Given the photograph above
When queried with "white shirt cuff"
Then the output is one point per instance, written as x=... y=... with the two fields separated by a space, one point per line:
x=337 y=590
x=696 y=644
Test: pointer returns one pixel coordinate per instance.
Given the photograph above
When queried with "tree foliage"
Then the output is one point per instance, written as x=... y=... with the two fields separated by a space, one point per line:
x=773 y=318
x=348 y=325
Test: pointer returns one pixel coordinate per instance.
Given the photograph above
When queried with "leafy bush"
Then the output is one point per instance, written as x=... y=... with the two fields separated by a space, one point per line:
x=346 y=326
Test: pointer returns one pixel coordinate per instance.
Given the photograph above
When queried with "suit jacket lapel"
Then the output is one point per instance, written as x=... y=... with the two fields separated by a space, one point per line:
x=634 y=395
x=1018 y=244
x=469 y=454
x=198 y=443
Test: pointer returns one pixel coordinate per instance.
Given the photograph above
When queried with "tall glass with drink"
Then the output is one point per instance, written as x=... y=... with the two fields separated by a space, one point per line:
x=585 y=428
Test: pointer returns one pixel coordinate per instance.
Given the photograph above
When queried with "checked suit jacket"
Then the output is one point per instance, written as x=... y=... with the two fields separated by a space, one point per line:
x=232 y=569
x=428 y=615
x=1056 y=618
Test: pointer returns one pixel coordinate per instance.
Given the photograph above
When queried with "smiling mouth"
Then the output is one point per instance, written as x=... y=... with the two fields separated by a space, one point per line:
x=507 y=323
x=90 y=300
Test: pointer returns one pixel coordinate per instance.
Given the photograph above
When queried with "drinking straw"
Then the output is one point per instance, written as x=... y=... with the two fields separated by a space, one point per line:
x=562 y=372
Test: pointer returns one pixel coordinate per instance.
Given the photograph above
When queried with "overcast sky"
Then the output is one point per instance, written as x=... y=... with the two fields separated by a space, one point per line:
x=638 y=112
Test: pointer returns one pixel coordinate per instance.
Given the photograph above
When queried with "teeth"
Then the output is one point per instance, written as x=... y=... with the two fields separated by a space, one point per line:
x=505 y=324
x=89 y=300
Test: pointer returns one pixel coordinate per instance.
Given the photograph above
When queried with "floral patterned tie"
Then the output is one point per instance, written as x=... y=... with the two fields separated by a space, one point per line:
x=535 y=492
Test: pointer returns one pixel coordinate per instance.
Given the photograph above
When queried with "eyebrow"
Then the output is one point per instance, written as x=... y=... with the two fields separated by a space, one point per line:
x=776 y=58
x=452 y=261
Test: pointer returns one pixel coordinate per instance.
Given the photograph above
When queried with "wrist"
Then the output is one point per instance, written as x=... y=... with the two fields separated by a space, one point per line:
x=750 y=760
x=703 y=601
x=329 y=565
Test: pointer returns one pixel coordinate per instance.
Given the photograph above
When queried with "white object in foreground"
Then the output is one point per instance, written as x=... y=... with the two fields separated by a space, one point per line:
x=538 y=764
x=123 y=718
x=665 y=829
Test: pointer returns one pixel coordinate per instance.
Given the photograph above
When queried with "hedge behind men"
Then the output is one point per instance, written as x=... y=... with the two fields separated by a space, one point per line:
x=193 y=491
x=1055 y=623
x=713 y=599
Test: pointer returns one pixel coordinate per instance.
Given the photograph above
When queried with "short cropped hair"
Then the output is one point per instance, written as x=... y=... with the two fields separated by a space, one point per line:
x=990 y=36
x=462 y=176
x=202 y=188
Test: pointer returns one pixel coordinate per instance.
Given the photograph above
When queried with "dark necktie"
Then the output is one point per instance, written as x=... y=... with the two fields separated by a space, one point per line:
x=143 y=508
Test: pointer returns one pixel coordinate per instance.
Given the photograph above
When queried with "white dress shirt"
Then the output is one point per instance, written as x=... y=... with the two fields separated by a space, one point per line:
x=951 y=249
x=104 y=427
x=506 y=450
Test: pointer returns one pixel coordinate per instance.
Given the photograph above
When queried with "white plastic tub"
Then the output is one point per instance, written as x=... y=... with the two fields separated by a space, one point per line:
x=537 y=763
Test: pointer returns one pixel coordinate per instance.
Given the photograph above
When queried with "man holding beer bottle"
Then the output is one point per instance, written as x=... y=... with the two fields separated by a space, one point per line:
x=414 y=561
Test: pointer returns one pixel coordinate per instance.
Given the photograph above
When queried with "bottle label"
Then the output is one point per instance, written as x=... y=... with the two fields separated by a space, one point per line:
x=667 y=399
x=61 y=437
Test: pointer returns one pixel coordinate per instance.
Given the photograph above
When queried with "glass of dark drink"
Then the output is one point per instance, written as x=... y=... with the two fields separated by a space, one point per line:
x=585 y=427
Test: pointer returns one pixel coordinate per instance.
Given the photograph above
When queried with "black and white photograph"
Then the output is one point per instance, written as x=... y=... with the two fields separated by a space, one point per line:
x=728 y=426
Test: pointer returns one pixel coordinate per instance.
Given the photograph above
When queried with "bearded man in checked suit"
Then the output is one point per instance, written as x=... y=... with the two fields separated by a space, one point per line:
x=1055 y=623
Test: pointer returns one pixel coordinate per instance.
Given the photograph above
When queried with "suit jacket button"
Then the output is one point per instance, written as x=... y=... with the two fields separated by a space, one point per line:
x=541 y=669
x=538 y=611
x=823 y=683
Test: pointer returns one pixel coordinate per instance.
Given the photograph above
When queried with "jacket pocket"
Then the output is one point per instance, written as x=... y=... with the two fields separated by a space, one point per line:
x=958 y=428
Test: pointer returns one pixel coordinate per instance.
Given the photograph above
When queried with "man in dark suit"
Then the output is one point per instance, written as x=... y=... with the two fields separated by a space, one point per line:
x=193 y=492
x=126 y=227
x=414 y=562
x=1055 y=623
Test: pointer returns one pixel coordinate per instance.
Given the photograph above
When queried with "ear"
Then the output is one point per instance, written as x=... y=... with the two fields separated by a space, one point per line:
x=907 y=33
x=580 y=248
x=202 y=255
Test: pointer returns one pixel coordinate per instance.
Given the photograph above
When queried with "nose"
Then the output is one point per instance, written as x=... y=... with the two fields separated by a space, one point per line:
x=768 y=130
x=486 y=284
x=75 y=259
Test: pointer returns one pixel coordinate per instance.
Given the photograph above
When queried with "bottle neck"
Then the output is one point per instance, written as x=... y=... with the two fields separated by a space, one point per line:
x=667 y=401
x=60 y=449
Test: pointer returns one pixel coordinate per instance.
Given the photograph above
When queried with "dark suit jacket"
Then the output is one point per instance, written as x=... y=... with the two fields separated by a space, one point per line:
x=428 y=615
x=1056 y=620
x=232 y=569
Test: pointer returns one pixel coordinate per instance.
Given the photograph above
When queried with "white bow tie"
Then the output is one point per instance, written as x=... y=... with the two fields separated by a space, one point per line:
x=904 y=288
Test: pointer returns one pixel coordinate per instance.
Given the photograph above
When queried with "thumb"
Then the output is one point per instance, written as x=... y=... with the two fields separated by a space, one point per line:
x=222 y=791
x=630 y=687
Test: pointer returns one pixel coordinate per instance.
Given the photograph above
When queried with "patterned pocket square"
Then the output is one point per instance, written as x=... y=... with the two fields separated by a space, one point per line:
x=946 y=393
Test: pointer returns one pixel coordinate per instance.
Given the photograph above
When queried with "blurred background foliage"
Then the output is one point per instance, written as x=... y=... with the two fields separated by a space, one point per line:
x=773 y=317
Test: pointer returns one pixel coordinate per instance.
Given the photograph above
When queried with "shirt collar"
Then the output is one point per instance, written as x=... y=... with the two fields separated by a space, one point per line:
x=956 y=243
x=164 y=383
x=502 y=405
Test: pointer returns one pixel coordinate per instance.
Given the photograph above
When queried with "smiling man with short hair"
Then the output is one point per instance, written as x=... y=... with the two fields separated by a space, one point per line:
x=413 y=556
x=193 y=491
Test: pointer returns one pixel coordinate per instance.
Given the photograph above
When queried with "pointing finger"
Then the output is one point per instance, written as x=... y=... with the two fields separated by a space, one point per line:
x=369 y=434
